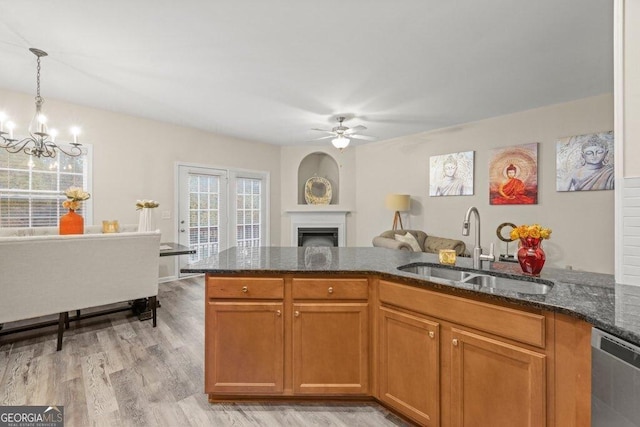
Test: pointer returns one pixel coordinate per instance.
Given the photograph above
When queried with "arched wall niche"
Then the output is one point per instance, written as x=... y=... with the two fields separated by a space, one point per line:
x=323 y=165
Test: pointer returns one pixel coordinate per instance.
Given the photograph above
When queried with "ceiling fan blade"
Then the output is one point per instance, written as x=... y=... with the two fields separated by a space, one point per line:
x=323 y=137
x=355 y=129
x=364 y=137
x=323 y=130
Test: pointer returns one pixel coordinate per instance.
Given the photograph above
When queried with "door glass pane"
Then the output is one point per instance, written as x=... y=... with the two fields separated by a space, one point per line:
x=203 y=216
x=249 y=226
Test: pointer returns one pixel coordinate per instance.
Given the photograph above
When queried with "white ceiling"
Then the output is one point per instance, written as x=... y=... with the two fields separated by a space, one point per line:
x=270 y=70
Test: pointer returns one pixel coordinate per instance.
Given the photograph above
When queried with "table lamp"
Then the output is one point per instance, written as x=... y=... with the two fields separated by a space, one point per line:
x=398 y=203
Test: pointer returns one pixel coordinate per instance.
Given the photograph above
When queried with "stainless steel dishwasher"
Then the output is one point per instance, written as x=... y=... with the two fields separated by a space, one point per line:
x=615 y=381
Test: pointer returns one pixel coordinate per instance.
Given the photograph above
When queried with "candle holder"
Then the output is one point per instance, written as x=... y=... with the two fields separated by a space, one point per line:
x=447 y=256
x=110 y=226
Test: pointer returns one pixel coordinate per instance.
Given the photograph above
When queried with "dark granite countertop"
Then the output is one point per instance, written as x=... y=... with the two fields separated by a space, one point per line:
x=594 y=297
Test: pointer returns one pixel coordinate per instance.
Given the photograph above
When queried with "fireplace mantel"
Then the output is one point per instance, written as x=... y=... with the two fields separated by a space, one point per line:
x=318 y=217
x=318 y=209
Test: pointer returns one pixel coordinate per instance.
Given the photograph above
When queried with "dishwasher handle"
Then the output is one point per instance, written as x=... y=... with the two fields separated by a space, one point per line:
x=616 y=347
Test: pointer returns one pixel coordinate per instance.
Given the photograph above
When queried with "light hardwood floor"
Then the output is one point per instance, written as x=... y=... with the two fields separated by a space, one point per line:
x=117 y=371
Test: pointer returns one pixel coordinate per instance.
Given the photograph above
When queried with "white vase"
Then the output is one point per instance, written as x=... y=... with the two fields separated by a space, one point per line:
x=147 y=220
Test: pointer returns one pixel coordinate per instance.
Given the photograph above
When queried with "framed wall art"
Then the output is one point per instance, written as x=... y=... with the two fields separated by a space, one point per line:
x=585 y=162
x=513 y=175
x=451 y=174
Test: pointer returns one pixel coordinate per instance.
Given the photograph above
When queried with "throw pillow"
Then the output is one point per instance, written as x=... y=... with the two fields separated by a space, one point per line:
x=410 y=240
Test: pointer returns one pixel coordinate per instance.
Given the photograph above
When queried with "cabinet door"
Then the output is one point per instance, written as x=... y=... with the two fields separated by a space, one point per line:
x=495 y=383
x=244 y=347
x=409 y=365
x=330 y=348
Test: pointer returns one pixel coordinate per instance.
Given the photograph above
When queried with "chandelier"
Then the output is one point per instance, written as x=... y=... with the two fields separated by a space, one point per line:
x=41 y=141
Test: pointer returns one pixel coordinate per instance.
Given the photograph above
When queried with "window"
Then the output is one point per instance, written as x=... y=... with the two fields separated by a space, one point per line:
x=32 y=189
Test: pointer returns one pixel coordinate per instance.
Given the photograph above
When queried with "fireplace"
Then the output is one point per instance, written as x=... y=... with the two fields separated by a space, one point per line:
x=318 y=236
x=318 y=227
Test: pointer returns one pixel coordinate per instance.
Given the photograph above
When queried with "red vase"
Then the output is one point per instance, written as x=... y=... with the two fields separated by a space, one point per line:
x=531 y=256
x=71 y=223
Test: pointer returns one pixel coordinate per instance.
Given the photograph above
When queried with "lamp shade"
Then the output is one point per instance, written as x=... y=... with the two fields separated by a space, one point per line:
x=398 y=202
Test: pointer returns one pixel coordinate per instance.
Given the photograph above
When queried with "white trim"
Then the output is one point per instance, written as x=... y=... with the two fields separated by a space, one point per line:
x=618 y=129
x=166 y=279
x=336 y=219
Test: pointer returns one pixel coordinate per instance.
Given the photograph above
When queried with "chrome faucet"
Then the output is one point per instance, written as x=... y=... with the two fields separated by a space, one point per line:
x=478 y=256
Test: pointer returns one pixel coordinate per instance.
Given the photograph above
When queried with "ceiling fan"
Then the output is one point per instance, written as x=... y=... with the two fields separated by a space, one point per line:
x=342 y=134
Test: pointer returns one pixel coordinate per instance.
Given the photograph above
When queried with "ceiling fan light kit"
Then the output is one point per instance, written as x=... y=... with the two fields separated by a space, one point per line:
x=340 y=142
x=342 y=135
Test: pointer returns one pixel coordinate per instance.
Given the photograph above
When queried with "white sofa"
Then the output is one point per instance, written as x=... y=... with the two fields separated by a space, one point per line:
x=53 y=274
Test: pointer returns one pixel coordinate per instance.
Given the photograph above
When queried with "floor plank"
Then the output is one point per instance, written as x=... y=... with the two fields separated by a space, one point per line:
x=117 y=371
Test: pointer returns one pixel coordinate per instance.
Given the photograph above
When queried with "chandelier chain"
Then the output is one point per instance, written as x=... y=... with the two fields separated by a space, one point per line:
x=38 y=97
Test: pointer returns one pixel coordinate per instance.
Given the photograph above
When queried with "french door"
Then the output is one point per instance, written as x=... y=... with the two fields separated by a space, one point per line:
x=220 y=208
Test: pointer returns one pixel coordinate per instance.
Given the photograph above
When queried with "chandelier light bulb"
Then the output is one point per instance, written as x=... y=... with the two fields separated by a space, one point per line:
x=75 y=131
x=53 y=133
x=11 y=126
x=42 y=120
x=3 y=118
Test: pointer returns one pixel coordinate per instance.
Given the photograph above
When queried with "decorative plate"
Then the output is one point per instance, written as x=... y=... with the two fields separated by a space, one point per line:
x=317 y=191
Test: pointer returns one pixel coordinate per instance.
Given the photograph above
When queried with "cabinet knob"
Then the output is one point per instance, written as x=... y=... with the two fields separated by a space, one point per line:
x=330 y=289
x=278 y=313
x=245 y=289
x=454 y=342
x=432 y=334
x=296 y=313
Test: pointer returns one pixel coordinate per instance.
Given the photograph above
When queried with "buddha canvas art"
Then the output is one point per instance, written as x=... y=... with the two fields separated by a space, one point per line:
x=451 y=174
x=513 y=175
x=585 y=162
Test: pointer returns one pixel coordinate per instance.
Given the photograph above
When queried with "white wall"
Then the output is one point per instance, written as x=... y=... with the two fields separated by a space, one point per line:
x=134 y=158
x=582 y=222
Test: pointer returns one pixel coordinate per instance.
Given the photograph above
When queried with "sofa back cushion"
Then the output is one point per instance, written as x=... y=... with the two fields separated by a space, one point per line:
x=433 y=244
x=410 y=240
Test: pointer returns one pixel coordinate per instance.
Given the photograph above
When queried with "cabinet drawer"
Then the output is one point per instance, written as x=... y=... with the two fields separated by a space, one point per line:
x=330 y=289
x=245 y=287
x=518 y=325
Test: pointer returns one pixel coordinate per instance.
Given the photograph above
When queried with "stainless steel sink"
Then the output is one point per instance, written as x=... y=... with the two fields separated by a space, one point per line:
x=486 y=282
x=430 y=271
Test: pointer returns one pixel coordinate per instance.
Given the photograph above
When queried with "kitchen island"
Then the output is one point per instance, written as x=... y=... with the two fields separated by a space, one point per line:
x=347 y=323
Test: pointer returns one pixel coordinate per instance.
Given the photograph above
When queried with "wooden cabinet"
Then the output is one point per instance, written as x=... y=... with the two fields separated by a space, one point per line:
x=330 y=336
x=330 y=348
x=495 y=383
x=245 y=347
x=244 y=336
x=492 y=361
x=260 y=329
x=409 y=367
x=439 y=359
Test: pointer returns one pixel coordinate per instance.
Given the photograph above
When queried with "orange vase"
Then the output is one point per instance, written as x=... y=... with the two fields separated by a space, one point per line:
x=71 y=223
